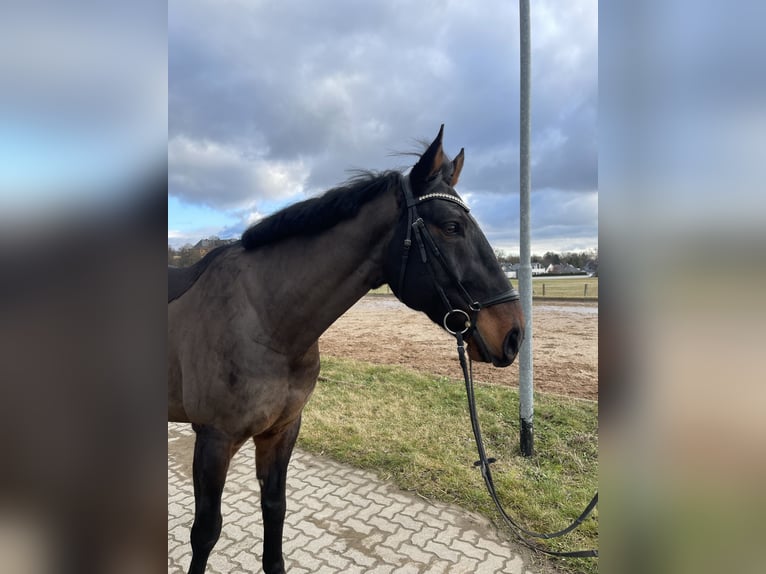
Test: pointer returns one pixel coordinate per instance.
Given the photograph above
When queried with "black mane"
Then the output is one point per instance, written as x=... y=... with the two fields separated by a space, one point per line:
x=317 y=214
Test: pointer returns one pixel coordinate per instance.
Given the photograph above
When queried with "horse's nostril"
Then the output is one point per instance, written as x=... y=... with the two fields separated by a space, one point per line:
x=513 y=342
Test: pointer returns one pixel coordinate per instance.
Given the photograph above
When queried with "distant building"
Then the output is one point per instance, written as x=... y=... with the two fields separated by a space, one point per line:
x=204 y=246
x=512 y=269
x=190 y=254
x=562 y=269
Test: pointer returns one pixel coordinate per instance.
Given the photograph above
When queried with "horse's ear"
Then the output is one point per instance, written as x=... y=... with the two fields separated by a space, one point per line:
x=457 y=167
x=430 y=162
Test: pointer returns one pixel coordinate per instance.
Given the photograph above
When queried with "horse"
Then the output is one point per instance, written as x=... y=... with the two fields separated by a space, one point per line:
x=243 y=323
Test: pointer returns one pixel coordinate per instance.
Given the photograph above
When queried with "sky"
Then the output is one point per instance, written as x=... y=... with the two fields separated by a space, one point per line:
x=83 y=107
x=273 y=102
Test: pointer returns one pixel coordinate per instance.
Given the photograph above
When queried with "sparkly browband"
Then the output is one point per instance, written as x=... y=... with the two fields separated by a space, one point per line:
x=445 y=196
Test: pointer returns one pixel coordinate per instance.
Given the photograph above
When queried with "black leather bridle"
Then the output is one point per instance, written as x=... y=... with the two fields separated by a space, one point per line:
x=460 y=323
x=456 y=320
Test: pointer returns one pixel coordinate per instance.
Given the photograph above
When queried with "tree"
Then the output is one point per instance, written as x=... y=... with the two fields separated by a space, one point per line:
x=187 y=256
x=505 y=257
x=575 y=259
x=551 y=258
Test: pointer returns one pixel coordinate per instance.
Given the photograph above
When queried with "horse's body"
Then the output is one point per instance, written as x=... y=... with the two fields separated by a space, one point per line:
x=243 y=327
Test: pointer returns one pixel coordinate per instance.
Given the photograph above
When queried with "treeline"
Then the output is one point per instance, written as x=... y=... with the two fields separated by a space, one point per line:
x=577 y=259
x=189 y=254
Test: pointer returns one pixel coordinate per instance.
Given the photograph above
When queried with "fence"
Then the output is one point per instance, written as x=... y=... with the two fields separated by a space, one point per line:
x=565 y=287
x=578 y=287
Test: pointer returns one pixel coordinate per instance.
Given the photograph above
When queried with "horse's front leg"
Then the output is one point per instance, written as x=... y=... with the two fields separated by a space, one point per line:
x=272 y=454
x=212 y=453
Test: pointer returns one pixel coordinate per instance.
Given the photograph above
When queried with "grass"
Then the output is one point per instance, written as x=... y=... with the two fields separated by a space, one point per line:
x=414 y=430
x=559 y=288
x=566 y=287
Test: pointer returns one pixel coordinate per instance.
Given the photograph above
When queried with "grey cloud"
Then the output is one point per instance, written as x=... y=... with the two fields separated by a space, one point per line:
x=572 y=161
x=339 y=85
x=563 y=216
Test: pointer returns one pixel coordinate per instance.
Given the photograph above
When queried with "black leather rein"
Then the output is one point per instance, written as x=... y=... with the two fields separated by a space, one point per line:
x=484 y=462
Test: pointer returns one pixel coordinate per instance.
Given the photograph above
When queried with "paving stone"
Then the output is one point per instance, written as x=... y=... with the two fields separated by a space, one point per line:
x=339 y=520
x=467 y=549
x=442 y=551
x=416 y=554
x=438 y=567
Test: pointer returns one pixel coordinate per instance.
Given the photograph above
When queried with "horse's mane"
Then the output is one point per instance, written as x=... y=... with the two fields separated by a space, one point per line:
x=320 y=213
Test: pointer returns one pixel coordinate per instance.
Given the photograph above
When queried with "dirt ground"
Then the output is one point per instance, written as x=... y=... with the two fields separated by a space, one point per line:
x=381 y=330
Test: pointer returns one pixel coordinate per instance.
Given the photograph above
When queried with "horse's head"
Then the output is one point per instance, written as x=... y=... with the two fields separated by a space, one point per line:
x=440 y=262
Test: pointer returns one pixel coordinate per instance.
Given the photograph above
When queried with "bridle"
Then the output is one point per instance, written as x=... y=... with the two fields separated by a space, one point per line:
x=461 y=323
x=456 y=320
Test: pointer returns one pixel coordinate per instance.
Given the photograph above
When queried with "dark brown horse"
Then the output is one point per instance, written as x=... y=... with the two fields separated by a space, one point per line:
x=243 y=323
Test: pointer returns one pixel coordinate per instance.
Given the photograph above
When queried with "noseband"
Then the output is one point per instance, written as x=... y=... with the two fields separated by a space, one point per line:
x=456 y=320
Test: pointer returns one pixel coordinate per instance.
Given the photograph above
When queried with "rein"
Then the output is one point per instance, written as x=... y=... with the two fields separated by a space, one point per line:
x=484 y=462
x=458 y=322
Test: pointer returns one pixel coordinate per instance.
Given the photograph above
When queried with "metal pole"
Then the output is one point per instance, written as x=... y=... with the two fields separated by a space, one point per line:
x=526 y=382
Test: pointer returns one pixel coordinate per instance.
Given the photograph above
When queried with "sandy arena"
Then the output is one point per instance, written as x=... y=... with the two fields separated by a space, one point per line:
x=379 y=329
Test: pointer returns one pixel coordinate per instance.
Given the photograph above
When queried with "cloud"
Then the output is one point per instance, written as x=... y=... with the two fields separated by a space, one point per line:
x=271 y=100
x=560 y=220
x=227 y=177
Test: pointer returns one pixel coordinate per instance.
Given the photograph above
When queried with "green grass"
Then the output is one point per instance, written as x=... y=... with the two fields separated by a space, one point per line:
x=559 y=288
x=566 y=287
x=414 y=430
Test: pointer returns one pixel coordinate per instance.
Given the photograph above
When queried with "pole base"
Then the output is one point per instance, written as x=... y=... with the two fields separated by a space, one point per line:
x=527 y=438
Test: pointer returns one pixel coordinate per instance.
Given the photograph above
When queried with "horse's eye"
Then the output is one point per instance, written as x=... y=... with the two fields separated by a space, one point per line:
x=451 y=228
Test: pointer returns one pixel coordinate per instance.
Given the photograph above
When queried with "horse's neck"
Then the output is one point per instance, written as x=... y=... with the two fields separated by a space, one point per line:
x=302 y=285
